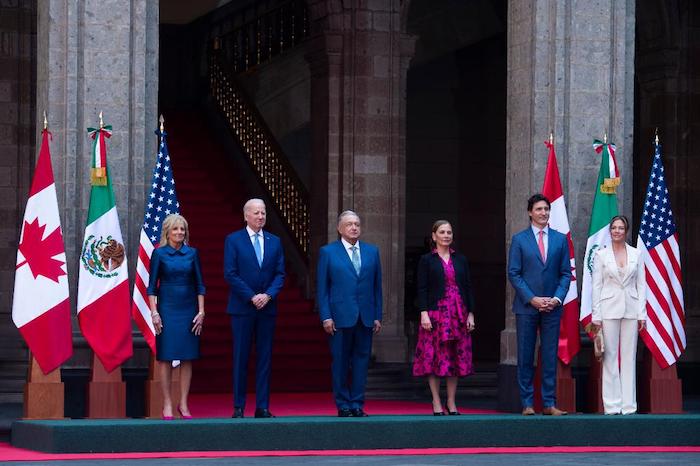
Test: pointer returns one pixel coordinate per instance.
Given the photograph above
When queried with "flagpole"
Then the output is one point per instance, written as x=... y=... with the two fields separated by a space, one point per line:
x=43 y=394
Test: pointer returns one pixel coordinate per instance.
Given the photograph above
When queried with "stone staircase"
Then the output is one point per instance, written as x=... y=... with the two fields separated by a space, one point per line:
x=389 y=381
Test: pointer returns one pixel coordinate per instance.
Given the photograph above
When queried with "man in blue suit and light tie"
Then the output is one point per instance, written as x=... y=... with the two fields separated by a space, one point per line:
x=349 y=298
x=254 y=270
x=539 y=268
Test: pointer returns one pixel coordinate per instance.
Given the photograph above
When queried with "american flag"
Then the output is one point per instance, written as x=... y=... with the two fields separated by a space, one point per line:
x=658 y=240
x=161 y=202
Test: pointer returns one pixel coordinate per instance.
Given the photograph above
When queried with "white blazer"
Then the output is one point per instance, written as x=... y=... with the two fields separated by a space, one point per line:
x=615 y=296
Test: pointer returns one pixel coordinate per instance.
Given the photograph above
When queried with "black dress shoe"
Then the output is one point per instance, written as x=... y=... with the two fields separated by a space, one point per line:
x=263 y=412
x=344 y=412
x=237 y=412
x=454 y=413
x=438 y=413
x=358 y=412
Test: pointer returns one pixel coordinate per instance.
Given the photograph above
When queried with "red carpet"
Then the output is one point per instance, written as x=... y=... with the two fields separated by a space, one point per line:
x=307 y=404
x=9 y=453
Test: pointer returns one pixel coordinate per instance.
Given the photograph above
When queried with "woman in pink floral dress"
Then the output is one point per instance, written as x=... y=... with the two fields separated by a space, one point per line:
x=444 y=298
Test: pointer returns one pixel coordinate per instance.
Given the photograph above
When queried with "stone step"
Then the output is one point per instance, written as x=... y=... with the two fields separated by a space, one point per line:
x=395 y=381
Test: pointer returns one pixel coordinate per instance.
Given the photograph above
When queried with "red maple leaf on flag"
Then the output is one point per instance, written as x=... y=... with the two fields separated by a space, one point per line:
x=38 y=253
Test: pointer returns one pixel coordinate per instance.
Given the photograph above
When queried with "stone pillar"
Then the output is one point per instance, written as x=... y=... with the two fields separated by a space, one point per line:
x=359 y=63
x=570 y=71
x=92 y=57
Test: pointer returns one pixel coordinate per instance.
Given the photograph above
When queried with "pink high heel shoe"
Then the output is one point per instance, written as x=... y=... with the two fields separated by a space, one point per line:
x=167 y=418
x=183 y=415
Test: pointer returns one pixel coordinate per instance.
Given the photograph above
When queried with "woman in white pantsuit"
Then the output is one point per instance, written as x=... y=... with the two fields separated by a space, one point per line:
x=619 y=305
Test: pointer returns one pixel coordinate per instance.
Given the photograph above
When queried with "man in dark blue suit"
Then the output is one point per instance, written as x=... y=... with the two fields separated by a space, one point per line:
x=539 y=270
x=254 y=270
x=349 y=298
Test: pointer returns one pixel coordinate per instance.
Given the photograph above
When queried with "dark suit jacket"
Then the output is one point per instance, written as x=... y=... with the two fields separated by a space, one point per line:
x=344 y=296
x=246 y=278
x=431 y=281
x=530 y=276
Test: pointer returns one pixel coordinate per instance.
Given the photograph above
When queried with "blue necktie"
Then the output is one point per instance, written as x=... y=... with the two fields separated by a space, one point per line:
x=355 y=259
x=258 y=249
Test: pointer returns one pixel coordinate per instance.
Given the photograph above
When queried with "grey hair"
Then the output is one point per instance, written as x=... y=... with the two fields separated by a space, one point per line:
x=252 y=201
x=347 y=213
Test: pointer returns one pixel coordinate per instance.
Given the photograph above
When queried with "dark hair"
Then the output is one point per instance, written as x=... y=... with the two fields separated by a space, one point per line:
x=623 y=219
x=436 y=225
x=535 y=198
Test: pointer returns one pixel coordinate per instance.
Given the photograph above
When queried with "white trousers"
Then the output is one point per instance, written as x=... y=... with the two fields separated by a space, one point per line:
x=619 y=380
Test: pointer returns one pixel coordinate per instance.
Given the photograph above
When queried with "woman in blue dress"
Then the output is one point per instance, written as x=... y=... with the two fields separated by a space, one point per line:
x=176 y=298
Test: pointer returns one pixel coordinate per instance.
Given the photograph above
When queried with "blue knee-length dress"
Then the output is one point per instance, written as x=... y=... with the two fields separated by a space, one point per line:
x=176 y=279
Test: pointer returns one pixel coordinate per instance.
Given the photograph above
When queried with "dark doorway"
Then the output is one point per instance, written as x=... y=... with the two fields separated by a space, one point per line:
x=456 y=158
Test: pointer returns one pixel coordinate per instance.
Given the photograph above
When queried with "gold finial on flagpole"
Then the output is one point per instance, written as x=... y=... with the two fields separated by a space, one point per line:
x=162 y=123
x=102 y=123
x=46 y=122
x=656 y=136
x=605 y=137
x=551 y=137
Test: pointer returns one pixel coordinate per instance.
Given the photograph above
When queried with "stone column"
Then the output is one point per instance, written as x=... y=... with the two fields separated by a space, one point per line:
x=570 y=71
x=359 y=65
x=92 y=57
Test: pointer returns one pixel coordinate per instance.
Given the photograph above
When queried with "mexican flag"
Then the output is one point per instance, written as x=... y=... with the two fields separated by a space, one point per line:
x=604 y=209
x=569 y=339
x=40 y=307
x=103 y=284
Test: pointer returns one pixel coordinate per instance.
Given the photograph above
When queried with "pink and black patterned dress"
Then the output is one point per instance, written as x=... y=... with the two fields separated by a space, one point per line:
x=446 y=350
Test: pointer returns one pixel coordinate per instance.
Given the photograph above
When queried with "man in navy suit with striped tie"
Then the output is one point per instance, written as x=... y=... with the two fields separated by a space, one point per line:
x=254 y=270
x=349 y=298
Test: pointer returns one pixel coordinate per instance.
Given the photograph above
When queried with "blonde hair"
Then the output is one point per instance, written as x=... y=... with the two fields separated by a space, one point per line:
x=168 y=223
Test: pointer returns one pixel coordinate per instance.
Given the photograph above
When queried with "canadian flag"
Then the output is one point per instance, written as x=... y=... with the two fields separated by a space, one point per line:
x=40 y=307
x=569 y=338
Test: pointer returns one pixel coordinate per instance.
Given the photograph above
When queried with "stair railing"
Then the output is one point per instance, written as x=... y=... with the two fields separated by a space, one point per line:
x=257 y=34
x=263 y=153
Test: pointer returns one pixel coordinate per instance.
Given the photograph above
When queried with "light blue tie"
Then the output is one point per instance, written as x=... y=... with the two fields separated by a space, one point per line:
x=258 y=249
x=355 y=259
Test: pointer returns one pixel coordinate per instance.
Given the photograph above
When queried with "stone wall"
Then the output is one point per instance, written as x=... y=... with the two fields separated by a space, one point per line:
x=18 y=130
